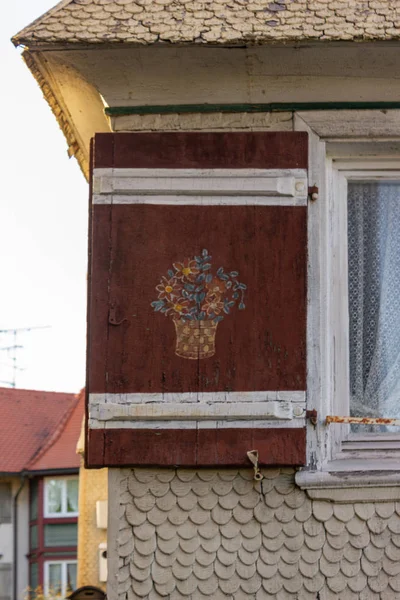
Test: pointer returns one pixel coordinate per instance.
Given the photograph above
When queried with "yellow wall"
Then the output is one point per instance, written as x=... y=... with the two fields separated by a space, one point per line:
x=92 y=487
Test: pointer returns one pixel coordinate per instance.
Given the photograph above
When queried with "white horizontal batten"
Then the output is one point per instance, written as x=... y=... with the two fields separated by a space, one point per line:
x=200 y=186
x=196 y=411
x=199 y=200
x=200 y=424
x=207 y=397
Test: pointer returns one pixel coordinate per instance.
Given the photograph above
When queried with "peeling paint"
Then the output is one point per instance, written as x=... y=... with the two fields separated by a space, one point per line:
x=362 y=420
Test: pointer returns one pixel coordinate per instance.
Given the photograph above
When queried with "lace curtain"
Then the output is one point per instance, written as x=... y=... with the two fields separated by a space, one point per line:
x=374 y=298
x=72 y=496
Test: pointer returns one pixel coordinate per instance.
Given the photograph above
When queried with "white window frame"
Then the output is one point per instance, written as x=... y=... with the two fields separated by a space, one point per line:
x=63 y=564
x=64 y=513
x=372 y=447
x=334 y=158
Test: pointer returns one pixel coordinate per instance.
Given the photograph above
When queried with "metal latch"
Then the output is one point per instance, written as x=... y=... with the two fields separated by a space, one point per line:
x=252 y=455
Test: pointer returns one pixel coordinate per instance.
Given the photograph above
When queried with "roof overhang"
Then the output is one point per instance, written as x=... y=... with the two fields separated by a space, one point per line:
x=74 y=101
x=49 y=472
x=83 y=82
x=43 y=472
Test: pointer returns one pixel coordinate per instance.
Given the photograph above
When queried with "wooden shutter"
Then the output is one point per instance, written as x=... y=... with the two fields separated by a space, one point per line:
x=222 y=217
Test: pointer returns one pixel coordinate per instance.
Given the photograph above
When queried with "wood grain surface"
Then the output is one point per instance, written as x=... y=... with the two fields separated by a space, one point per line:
x=202 y=150
x=131 y=348
x=259 y=348
x=194 y=448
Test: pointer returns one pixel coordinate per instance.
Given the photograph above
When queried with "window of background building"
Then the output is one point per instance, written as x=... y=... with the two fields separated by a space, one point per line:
x=33 y=578
x=59 y=578
x=61 y=497
x=5 y=581
x=5 y=503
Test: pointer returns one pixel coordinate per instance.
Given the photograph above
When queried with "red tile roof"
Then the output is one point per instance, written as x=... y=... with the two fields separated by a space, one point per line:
x=39 y=430
x=60 y=452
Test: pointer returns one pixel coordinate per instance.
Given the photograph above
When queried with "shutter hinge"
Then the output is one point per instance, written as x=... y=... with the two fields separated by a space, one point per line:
x=312 y=416
x=313 y=193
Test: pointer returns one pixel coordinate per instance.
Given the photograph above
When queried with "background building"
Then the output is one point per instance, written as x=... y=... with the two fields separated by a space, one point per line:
x=39 y=490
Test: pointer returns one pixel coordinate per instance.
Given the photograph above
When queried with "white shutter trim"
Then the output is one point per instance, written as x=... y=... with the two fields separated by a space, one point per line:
x=269 y=187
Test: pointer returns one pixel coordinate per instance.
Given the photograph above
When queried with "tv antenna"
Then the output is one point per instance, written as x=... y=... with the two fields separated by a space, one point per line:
x=12 y=349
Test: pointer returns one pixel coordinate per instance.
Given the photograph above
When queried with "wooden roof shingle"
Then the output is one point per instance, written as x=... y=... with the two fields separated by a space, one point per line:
x=215 y=22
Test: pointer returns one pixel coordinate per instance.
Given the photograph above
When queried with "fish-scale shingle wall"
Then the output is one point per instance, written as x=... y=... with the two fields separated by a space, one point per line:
x=187 y=534
x=216 y=21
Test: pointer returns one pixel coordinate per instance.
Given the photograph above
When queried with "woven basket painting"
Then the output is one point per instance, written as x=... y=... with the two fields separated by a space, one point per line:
x=197 y=300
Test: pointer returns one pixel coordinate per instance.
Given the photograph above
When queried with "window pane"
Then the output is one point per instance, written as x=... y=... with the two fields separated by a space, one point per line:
x=374 y=299
x=54 y=495
x=55 y=579
x=64 y=534
x=5 y=503
x=5 y=581
x=72 y=495
x=34 y=537
x=71 y=577
x=33 y=578
x=33 y=499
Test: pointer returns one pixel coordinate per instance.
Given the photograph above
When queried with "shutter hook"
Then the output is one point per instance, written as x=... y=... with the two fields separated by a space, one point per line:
x=252 y=455
x=112 y=316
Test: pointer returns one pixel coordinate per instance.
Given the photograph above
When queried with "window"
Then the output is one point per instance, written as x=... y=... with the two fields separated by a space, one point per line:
x=61 y=497
x=33 y=499
x=33 y=578
x=5 y=503
x=351 y=366
x=373 y=209
x=5 y=581
x=34 y=537
x=59 y=578
x=365 y=311
x=61 y=534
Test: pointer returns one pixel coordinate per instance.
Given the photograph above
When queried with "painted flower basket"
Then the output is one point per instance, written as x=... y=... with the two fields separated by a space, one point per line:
x=197 y=300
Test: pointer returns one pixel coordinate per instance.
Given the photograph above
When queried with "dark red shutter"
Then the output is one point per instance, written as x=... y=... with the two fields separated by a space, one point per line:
x=131 y=347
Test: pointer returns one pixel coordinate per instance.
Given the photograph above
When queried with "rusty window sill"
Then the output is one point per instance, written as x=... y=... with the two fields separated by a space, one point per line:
x=332 y=420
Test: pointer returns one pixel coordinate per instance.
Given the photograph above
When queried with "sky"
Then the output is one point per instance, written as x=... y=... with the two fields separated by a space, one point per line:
x=43 y=228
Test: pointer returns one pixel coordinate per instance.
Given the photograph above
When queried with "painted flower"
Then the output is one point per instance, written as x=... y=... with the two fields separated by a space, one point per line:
x=168 y=288
x=215 y=286
x=192 y=291
x=187 y=269
x=179 y=306
x=212 y=304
